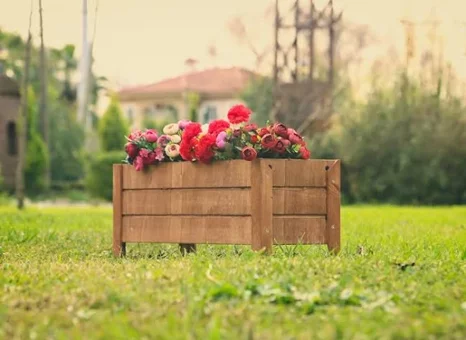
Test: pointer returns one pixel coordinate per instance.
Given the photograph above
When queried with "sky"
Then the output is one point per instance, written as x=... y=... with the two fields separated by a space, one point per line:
x=143 y=41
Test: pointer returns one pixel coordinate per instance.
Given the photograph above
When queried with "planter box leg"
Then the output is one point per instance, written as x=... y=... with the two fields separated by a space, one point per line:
x=262 y=205
x=332 y=235
x=119 y=247
x=187 y=248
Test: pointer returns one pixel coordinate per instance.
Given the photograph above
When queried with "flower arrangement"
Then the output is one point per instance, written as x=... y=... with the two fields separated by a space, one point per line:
x=218 y=140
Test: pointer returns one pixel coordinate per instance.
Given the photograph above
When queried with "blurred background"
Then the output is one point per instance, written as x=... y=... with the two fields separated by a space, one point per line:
x=379 y=84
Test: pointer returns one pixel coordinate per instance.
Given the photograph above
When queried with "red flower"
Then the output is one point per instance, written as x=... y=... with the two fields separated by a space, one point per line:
x=304 y=152
x=248 y=153
x=239 y=114
x=151 y=136
x=254 y=139
x=250 y=127
x=294 y=137
x=131 y=149
x=191 y=131
x=204 y=151
x=280 y=146
x=263 y=131
x=280 y=130
x=218 y=125
x=187 y=149
x=285 y=142
x=268 y=141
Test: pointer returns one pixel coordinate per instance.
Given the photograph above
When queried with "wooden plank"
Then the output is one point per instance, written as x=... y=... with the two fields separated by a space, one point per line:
x=262 y=204
x=187 y=202
x=118 y=245
x=225 y=174
x=299 y=201
x=187 y=229
x=333 y=207
x=278 y=167
x=211 y=202
x=235 y=173
x=304 y=173
x=299 y=230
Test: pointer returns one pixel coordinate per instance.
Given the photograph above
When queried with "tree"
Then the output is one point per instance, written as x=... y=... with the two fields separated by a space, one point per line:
x=113 y=127
x=43 y=113
x=258 y=96
x=22 y=121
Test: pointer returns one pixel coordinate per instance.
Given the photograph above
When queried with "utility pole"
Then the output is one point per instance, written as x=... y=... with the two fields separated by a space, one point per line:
x=22 y=120
x=84 y=68
x=43 y=113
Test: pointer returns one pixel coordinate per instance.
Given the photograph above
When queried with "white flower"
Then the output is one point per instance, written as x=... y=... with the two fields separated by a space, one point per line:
x=171 y=129
x=205 y=128
x=172 y=150
x=175 y=139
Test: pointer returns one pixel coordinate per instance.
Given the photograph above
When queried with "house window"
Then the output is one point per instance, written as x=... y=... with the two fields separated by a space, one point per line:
x=130 y=114
x=210 y=114
x=12 y=142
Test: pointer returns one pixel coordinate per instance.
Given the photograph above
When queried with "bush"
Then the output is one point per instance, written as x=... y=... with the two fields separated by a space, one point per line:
x=99 y=180
x=35 y=167
x=112 y=127
x=402 y=146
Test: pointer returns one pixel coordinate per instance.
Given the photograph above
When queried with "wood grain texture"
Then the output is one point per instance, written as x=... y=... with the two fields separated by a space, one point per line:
x=187 y=229
x=118 y=245
x=299 y=201
x=225 y=174
x=333 y=207
x=302 y=173
x=262 y=205
x=299 y=229
x=214 y=201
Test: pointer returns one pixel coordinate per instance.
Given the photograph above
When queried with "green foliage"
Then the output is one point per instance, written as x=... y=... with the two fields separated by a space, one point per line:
x=258 y=97
x=400 y=275
x=37 y=155
x=99 y=174
x=193 y=102
x=113 y=127
x=66 y=143
x=403 y=146
x=36 y=163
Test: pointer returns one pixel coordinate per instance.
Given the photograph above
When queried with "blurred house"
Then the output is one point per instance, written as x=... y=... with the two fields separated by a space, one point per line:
x=9 y=112
x=169 y=100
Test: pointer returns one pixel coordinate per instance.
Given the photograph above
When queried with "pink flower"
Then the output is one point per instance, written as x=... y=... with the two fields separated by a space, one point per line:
x=280 y=130
x=159 y=154
x=151 y=136
x=138 y=163
x=135 y=135
x=221 y=140
x=294 y=137
x=163 y=140
x=183 y=124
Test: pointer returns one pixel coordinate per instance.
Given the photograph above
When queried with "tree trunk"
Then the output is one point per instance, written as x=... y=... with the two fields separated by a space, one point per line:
x=43 y=113
x=22 y=121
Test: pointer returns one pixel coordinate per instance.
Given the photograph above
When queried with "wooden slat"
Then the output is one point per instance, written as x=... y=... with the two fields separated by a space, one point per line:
x=303 y=173
x=262 y=205
x=333 y=207
x=187 y=229
x=299 y=201
x=187 y=202
x=297 y=229
x=118 y=246
x=224 y=174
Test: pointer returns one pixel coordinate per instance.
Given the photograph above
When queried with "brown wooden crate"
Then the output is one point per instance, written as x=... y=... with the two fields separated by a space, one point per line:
x=187 y=229
x=226 y=201
x=297 y=229
x=299 y=201
x=303 y=173
x=225 y=174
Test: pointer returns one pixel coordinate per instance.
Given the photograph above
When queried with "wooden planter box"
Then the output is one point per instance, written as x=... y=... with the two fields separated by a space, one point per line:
x=261 y=203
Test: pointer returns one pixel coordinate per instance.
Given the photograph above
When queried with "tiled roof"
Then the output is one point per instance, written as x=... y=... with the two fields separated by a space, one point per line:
x=210 y=81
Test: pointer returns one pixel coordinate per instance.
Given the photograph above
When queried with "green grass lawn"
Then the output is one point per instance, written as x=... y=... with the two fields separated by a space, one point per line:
x=401 y=275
